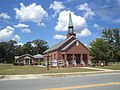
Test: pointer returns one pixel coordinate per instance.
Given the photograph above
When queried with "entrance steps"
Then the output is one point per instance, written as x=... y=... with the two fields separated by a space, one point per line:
x=87 y=65
x=80 y=65
x=71 y=65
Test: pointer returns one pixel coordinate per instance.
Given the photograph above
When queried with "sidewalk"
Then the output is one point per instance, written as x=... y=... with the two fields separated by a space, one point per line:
x=97 y=69
x=48 y=75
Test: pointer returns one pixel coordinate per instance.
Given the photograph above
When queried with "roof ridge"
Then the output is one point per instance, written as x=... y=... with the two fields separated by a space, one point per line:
x=69 y=44
x=58 y=45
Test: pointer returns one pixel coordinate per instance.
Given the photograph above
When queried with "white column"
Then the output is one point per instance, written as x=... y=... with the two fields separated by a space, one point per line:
x=24 y=61
x=29 y=61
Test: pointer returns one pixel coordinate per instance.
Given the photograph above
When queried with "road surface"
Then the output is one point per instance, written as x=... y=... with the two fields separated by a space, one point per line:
x=87 y=82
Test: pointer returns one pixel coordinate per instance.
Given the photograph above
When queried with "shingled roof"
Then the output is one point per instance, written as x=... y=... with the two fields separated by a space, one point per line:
x=69 y=45
x=58 y=45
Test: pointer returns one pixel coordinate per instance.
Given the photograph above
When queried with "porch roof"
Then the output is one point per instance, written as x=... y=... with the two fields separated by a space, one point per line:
x=26 y=55
x=38 y=56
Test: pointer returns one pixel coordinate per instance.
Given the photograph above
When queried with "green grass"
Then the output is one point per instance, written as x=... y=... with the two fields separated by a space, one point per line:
x=9 y=69
x=111 y=66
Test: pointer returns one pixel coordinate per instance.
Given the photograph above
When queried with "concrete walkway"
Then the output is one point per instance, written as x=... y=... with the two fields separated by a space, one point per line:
x=97 y=69
x=40 y=66
x=33 y=76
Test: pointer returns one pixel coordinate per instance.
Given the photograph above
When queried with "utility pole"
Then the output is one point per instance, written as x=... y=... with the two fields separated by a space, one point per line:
x=48 y=62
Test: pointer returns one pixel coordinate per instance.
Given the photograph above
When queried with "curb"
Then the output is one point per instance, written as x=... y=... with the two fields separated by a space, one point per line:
x=33 y=76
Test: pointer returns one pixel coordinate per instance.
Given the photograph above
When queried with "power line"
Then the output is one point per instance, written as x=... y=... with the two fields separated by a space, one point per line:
x=105 y=7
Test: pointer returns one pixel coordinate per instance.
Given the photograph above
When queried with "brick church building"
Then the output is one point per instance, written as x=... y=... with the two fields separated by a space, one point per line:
x=69 y=52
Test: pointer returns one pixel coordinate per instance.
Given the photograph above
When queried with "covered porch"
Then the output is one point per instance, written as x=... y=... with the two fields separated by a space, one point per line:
x=76 y=60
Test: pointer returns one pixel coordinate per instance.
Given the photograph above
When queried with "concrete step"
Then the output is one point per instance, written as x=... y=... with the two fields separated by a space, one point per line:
x=71 y=65
x=80 y=65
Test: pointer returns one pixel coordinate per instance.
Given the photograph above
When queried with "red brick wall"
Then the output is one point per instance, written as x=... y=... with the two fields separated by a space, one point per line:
x=53 y=55
x=77 y=49
x=73 y=49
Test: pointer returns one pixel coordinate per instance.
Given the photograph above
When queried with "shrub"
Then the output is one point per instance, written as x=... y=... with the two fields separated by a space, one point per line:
x=36 y=63
x=16 y=63
x=43 y=63
x=21 y=64
x=93 y=65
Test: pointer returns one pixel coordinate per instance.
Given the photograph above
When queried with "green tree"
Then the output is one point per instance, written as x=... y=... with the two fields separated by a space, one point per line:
x=28 y=48
x=19 y=50
x=7 y=51
x=39 y=46
x=99 y=50
x=112 y=37
x=2 y=52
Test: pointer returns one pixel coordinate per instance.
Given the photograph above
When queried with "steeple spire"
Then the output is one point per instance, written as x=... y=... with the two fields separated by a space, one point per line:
x=70 y=27
x=70 y=21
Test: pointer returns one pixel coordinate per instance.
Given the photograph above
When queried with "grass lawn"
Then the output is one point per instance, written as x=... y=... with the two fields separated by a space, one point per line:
x=115 y=66
x=9 y=69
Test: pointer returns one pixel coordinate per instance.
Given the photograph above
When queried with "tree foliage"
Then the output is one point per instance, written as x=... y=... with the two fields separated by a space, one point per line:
x=107 y=47
x=8 y=50
x=99 y=49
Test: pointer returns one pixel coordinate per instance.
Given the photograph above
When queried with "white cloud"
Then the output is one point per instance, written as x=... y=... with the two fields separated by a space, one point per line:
x=23 y=27
x=108 y=12
x=41 y=24
x=85 y=44
x=56 y=6
x=84 y=33
x=57 y=36
x=4 y=15
x=96 y=26
x=8 y=34
x=33 y=12
x=16 y=38
x=88 y=13
x=20 y=25
x=79 y=23
x=19 y=44
x=26 y=30
x=33 y=44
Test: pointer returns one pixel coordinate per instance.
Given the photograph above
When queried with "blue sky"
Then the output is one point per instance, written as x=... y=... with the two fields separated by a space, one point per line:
x=27 y=20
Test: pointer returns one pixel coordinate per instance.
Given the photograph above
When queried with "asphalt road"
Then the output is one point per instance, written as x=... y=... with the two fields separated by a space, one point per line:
x=87 y=82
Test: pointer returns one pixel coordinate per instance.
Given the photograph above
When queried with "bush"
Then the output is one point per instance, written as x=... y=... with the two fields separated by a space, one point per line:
x=36 y=64
x=21 y=64
x=93 y=65
x=16 y=63
x=43 y=63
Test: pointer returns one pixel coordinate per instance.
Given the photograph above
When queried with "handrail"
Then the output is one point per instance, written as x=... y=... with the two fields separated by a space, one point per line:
x=67 y=63
x=83 y=62
x=89 y=62
x=74 y=62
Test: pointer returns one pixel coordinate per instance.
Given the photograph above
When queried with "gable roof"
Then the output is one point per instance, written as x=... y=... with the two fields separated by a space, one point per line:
x=58 y=45
x=25 y=55
x=38 y=56
x=69 y=45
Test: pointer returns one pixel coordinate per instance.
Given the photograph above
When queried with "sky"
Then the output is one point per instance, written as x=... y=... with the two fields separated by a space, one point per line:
x=28 y=20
